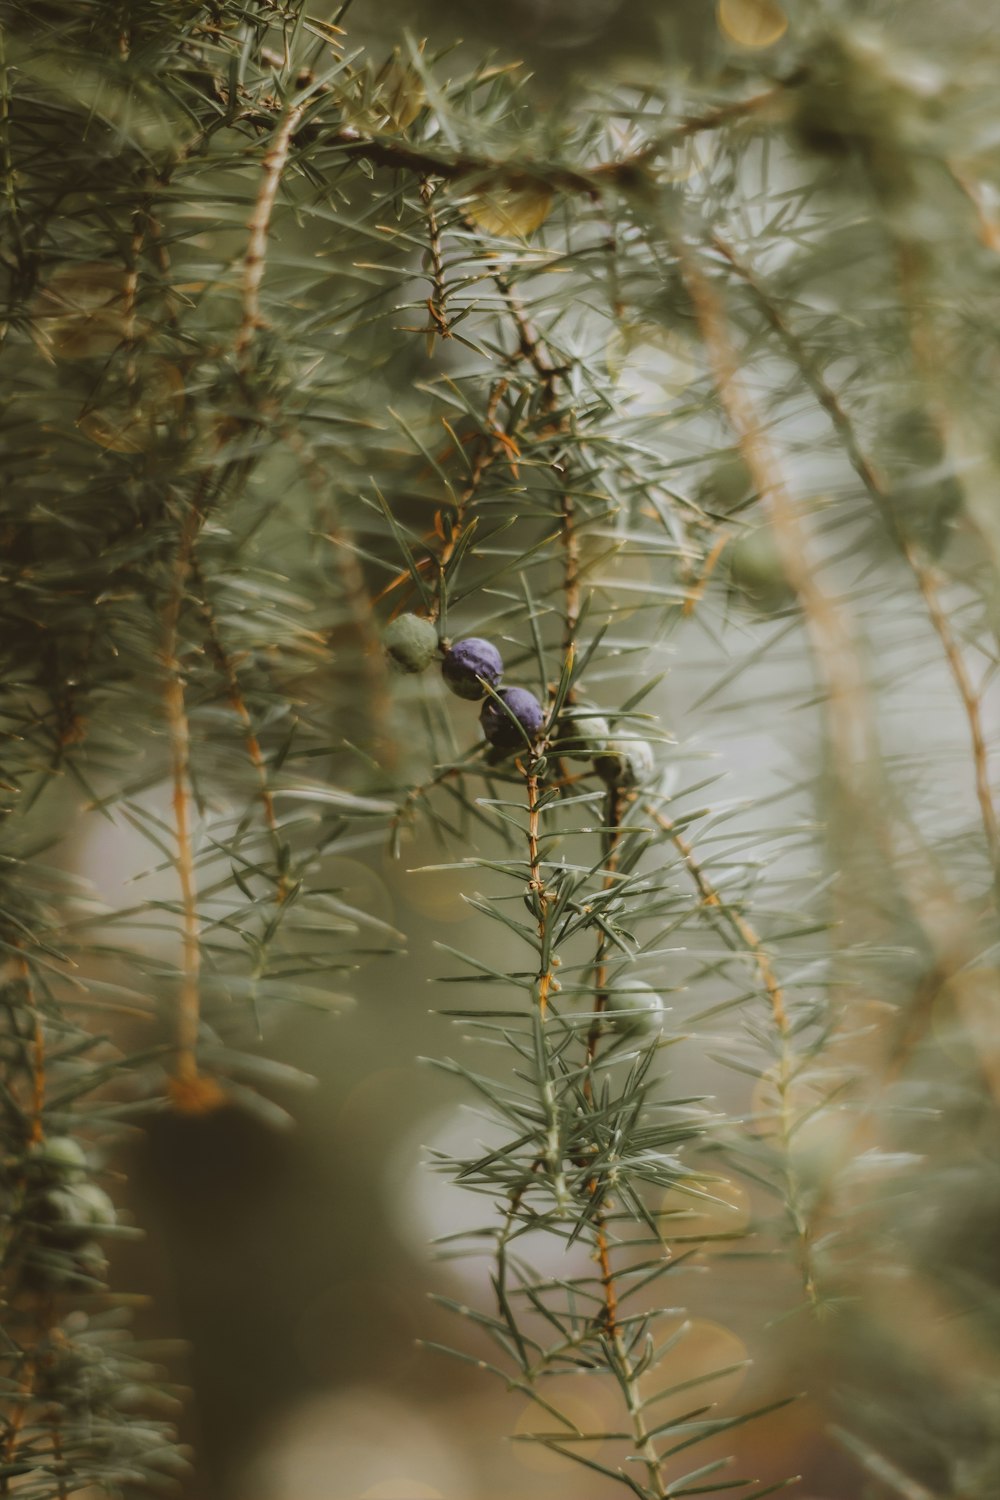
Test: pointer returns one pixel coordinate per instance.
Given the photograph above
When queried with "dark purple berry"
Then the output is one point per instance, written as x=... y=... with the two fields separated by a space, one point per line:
x=500 y=728
x=467 y=662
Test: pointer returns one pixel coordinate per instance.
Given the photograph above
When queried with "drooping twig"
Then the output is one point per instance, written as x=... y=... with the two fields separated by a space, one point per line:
x=255 y=259
x=878 y=489
x=830 y=638
x=749 y=940
x=179 y=731
x=190 y=1092
x=227 y=670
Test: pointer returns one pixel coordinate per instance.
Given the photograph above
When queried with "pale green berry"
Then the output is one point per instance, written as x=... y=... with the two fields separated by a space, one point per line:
x=97 y=1205
x=625 y=763
x=757 y=572
x=71 y=1214
x=411 y=642
x=728 y=486
x=582 y=735
x=58 y=1156
x=634 y=1009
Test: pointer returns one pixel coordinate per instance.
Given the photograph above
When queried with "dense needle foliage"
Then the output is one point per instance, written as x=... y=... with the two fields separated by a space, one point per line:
x=687 y=359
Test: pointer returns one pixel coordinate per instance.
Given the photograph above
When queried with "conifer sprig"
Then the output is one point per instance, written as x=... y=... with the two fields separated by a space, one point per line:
x=308 y=341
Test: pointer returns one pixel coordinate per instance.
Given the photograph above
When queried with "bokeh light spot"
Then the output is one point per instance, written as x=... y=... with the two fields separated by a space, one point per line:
x=752 y=23
x=707 y=1352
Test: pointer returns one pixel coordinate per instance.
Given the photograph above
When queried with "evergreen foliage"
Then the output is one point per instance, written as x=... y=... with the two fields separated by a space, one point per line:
x=303 y=342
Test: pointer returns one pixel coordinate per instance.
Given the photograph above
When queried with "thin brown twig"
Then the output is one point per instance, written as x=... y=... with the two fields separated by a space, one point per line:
x=531 y=344
x=393 y=152
x=571 y=573
x=495 y=444
x=833 y=649
x=748 y=937
x=744 y=931
x=926 y=359
x=437 y=301
x=697 y=588
x=254 y=261
x=600 y=986
x=238 y=703
x=130 y=290
x=179 y=730
x=353 y=586
x=989 y=229
x=534 y=349
x=545 y=982
x=972 y=705
x=725 y=114
x=36 y=1132
x=879 y=490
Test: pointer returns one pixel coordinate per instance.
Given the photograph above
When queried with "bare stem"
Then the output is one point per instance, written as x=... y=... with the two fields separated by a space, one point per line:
x=190 y=1092
x=600 y=986
x=227 y=670
x=533 y=348
x=273 y=165
x=545 y=982
x=437 y=301
x=493 y=445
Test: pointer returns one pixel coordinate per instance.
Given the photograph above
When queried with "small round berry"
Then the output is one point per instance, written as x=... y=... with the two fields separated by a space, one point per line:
x=57 y=1157
x=729 y=486
x=625 y=763
x=71 y=1214
x=411 y=642
x=634 y=1009
x=54 y=1268
x=757 y=572
x=467 y=662
x=582 y=735
x=501 y=729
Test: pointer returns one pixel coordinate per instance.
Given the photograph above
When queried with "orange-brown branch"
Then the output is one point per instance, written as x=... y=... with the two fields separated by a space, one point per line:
x=830 y=638
x=750 y=940
x=879 y=490
x=254 y=261
x=189 y=1091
